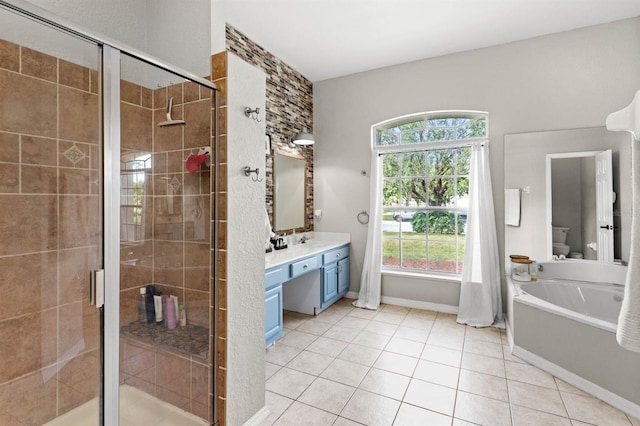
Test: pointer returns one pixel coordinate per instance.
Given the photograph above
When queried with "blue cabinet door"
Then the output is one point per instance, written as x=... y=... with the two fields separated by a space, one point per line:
x=273 y=314
x=330 y=284
x=343 y=276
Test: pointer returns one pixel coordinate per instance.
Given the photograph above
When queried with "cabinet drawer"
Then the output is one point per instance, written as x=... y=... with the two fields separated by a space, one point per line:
x=303 y=266
x=335 y=255
x=273 y=277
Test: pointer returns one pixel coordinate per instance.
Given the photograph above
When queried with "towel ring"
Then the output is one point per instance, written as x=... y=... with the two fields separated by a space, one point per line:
x=363 y=217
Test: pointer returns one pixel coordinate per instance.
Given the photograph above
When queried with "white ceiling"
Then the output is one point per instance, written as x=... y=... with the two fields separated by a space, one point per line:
x=323 y=39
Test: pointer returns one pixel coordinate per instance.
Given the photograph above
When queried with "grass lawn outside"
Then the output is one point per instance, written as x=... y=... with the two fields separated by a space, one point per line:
x=441 y=250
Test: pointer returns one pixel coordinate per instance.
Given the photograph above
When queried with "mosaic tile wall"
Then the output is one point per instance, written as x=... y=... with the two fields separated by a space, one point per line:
x=289 y=108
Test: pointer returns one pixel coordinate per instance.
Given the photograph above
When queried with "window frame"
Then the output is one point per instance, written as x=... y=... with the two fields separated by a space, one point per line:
x=400 y=148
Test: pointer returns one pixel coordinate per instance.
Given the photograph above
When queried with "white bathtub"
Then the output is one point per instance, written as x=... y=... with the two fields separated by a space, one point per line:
x=565 y=323
x=597 y=304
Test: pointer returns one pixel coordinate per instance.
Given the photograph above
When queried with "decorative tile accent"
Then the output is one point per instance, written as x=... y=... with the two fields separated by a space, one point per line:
x=174 y=184
x=74 y=155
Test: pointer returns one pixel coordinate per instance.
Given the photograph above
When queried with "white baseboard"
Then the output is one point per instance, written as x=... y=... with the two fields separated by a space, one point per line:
x=581 y=383
x=408 y=303
x=351 y=295
x=258 y=417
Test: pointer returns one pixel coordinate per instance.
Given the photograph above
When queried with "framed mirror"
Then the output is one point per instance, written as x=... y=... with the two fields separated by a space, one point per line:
x=289 y=192
x=525 y=168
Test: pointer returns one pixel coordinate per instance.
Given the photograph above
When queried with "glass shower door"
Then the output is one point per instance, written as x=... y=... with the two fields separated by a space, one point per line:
x=50 y=225
x=165 y=247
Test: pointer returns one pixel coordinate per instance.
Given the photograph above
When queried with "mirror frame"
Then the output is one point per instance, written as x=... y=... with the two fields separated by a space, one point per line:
x=275 y=195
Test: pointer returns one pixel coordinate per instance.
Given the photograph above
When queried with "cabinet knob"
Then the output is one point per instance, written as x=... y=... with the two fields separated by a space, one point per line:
x=337 y=255
x=305 y=266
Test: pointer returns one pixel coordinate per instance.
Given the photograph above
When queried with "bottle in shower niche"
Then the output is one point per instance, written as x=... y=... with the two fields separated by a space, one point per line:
x=170 y=313
x=149 y=304
x=142 y=305
x=182 y=316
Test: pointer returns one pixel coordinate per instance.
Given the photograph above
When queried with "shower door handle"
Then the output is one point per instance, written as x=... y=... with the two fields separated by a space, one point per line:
x=96 y=288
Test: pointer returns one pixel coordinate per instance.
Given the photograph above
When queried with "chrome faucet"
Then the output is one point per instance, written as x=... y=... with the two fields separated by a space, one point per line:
x=303 y=239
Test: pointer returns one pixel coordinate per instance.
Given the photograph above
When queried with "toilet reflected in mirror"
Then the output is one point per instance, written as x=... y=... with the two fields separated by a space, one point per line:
x=560 y=248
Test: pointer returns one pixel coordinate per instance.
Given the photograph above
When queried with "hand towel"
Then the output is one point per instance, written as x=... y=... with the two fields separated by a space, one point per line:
x=512 y=207
x=628 y=332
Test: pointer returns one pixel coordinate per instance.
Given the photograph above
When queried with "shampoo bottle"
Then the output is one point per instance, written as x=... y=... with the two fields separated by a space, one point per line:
x=170 y=312
x=157 y=299
x=151 y=311
x=142 y=305
x=182 y=316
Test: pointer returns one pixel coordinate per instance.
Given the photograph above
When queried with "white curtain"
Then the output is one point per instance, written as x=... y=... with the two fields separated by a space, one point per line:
x=371 y=279
x=628 y=331
x=480 y=294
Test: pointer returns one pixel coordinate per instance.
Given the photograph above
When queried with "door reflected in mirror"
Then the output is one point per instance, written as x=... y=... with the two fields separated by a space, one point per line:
x=581 y=205
x=289 y=192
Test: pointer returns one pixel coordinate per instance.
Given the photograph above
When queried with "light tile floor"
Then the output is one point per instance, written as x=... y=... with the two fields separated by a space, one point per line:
x=401 y=366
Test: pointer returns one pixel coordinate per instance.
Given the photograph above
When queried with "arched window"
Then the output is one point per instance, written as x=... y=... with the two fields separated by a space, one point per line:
x=424 y=172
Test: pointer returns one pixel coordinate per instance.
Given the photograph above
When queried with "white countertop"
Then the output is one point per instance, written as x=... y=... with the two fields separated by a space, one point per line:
x=318 y=242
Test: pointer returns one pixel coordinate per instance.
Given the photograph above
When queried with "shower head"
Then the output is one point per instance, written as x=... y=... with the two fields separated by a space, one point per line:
x=170 y=121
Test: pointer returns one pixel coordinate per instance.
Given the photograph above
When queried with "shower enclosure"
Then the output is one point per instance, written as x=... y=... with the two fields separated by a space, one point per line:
x=92 y=186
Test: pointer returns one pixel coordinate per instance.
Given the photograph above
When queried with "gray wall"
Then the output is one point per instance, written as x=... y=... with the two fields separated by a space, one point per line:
x=566 y=178
x=566 y=80
x=166 y=29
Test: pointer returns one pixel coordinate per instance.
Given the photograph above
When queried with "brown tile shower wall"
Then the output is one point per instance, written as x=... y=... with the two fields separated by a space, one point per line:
x=289 y=108
x=175 y=251
x=49 y=235
x=219 y=308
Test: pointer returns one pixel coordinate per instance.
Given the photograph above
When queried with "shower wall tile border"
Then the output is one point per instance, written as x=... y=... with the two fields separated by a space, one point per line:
x=219 y=307
x=289 y=104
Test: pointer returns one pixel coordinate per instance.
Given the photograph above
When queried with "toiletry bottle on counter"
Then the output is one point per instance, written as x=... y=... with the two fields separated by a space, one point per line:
x=151 y=311
x=182 y=316
x=533 y=270
x=170 y=312
x=142 y=305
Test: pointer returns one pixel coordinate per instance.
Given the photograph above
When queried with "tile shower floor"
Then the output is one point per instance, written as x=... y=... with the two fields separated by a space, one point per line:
x=400 y=366
x=137 y=408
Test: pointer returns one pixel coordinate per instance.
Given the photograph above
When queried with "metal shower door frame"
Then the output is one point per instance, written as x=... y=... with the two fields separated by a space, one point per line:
x=111 y=53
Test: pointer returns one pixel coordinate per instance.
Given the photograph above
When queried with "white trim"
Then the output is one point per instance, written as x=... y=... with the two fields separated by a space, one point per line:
x=418 y=304
x=258 y=417
x=581 y=383
x=408 y=303
x=426 y=276
x=111 y=231
x=351 y=295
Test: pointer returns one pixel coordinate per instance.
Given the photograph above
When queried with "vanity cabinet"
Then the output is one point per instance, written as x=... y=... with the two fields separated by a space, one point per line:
x=273 y=305
x=335 y=277
x=308 y=281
